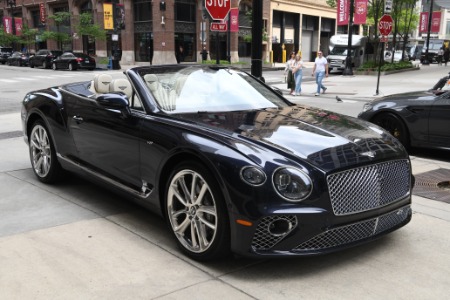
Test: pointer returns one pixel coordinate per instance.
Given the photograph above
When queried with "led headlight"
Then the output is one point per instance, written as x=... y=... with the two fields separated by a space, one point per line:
x=292 y=184
x=253 y=176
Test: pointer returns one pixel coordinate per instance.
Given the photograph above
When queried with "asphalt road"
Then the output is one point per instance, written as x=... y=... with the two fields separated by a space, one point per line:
x=76 y=240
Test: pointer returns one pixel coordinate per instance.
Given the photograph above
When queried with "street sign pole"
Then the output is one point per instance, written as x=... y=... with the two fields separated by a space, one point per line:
x=348 y=60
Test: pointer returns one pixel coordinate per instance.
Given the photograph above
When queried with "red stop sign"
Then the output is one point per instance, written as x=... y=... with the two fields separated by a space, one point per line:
x=385 y=24
x=218 y=9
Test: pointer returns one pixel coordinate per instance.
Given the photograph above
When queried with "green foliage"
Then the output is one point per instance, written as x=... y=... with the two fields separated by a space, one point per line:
x=7 y=39
x=28 y=35
x=60 y=17
x=60 y=37
x=87 y=27
x=385 y=66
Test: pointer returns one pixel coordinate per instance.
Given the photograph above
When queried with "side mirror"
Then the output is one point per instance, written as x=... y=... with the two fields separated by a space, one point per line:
x=116 y=102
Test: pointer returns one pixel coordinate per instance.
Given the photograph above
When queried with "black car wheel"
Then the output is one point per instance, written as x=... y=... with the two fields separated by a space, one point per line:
x=54 y=67
x=197 y=213
x=43 y=154
x=31 y=64
x=71 y=67
x=394 y=125
x=45 y=66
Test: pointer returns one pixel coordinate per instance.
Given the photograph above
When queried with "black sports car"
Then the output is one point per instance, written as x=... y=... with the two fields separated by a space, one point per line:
x=73 y=61
x=230 y=163
x=417 y=119
x=18 y=59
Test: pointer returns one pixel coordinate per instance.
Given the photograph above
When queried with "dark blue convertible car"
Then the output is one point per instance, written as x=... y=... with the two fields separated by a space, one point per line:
x=229 y=162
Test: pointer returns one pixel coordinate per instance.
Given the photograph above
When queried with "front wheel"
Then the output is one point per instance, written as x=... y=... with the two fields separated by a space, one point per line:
x=54 y=67
x=395 y=126
x=45 y=65
x=196 y=212
x=72 y=67
x=43 y=155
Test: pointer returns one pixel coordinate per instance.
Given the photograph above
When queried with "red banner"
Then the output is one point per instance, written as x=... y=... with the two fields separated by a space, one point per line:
x=18 y=23
x=42 y=13
x=436 y=22
x=423 y=22
x=342 y=12
x=7 y=25
x=234 y=19
x=360 y=12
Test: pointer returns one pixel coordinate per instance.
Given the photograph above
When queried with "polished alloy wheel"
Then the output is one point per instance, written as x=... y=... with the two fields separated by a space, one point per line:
x=192 y=211
x=40 y=151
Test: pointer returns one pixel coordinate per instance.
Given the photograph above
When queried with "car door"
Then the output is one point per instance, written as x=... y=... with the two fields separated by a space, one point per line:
x=439 y=122
x=107 y=141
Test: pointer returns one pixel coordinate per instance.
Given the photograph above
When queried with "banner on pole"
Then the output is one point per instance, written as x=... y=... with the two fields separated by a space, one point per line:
x=423 y=22
x=19 y=26
x=234 y=19
x=342 y=12
x=436 y=22
x=7 y=25
x=108 y=16
x=360 y=12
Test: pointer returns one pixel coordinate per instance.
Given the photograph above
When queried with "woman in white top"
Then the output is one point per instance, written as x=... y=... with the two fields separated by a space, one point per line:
x=288 y=70
x=297 y=70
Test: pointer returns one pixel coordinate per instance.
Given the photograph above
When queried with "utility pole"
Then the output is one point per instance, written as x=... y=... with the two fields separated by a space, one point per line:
x=430 y=16
x=257 y=14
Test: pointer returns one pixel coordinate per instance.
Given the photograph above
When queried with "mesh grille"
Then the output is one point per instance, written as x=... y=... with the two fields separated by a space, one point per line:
x=355 y=232
x=369 y=187
x=263 y=239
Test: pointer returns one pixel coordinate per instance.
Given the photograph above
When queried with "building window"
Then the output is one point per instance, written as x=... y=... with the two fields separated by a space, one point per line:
x=143 y=10
x=185 y=10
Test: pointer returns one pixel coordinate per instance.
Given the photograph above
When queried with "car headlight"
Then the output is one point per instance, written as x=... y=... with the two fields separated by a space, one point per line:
x=292 y=184
x=253 y=175
x=367 y=107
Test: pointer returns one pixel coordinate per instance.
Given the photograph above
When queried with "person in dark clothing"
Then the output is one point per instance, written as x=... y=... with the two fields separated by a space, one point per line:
x=446 y=55
x=204 y=54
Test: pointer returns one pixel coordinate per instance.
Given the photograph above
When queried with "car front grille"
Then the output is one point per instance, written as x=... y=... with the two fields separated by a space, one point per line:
x=265 y=237
x=369 y=187
x=355 y=232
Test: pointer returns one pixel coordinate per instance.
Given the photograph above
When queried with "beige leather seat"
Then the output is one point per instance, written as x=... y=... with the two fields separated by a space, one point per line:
x=100 y=84
x=121 y=85
x=157 y=90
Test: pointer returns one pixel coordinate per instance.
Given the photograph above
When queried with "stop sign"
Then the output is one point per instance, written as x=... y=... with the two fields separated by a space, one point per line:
x=218 y=9
x=385 y=24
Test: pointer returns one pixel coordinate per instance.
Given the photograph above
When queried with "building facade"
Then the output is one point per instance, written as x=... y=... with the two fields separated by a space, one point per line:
x=171 y=31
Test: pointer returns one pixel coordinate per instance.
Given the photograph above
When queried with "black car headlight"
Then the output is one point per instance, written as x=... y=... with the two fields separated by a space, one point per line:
x=253 y=176
x=367 y=107
x=292 y=184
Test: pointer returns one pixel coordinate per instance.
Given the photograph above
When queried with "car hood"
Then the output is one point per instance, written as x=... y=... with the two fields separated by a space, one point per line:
x=324 y=139
x=411 y=96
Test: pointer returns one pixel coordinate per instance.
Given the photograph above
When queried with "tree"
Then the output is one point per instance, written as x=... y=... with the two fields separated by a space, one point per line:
x=59 y=18
x=7 y=38
x=87 y=27
x=28 y=36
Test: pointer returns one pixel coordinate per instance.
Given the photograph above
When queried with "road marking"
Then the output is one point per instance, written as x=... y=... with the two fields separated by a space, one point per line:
x=8 y=80
x=25 y=78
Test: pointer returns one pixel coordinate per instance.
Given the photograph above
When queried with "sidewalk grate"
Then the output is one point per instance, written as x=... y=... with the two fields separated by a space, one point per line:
x=10 y=135
x=433 y=185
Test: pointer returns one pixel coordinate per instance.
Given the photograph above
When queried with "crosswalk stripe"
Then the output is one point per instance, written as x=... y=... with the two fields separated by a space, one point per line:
x=25 y=78
x=8 y=80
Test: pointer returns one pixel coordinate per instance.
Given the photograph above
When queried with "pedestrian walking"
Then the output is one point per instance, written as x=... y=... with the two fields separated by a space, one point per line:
x=446 y=55
x=439 y=56
x=290 y=80
x=320 y=70
x=297 y=70
x=204 y=54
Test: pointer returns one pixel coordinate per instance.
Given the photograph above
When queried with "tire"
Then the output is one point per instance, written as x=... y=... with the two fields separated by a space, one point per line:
x=54 y=67
x=31 y=64
x=45 y=65
x=395 y=126
x=200 y=225
x=43 y=155
x=71 y=68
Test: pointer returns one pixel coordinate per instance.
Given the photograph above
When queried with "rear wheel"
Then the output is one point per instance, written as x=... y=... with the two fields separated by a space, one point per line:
x=71 y=68
x=43 y=155
x=45 y=65
x=395 y=126
x=54 y=66
x=31 y=64
x=197 y=213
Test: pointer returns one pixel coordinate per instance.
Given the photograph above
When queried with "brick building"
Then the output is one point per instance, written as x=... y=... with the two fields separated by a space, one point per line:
x=154 y=30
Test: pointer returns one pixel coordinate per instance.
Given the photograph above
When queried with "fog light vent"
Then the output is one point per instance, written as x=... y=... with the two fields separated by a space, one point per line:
x=271 y=230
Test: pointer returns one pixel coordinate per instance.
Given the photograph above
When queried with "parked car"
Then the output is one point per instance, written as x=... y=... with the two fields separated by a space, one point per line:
x=5 y=52
x=397 y=56
x=229 y=162
x=416 y=119
x=18 y=59
x=74 y=61
x=44 y=58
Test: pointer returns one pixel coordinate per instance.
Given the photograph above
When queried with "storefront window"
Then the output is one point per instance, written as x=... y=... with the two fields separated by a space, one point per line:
x=143 y=36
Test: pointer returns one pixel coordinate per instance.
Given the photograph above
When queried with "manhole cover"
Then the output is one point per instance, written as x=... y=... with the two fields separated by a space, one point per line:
x=433 y=185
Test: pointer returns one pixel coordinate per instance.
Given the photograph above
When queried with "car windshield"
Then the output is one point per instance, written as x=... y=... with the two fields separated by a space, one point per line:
x=340 y=51
x=211 y=89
